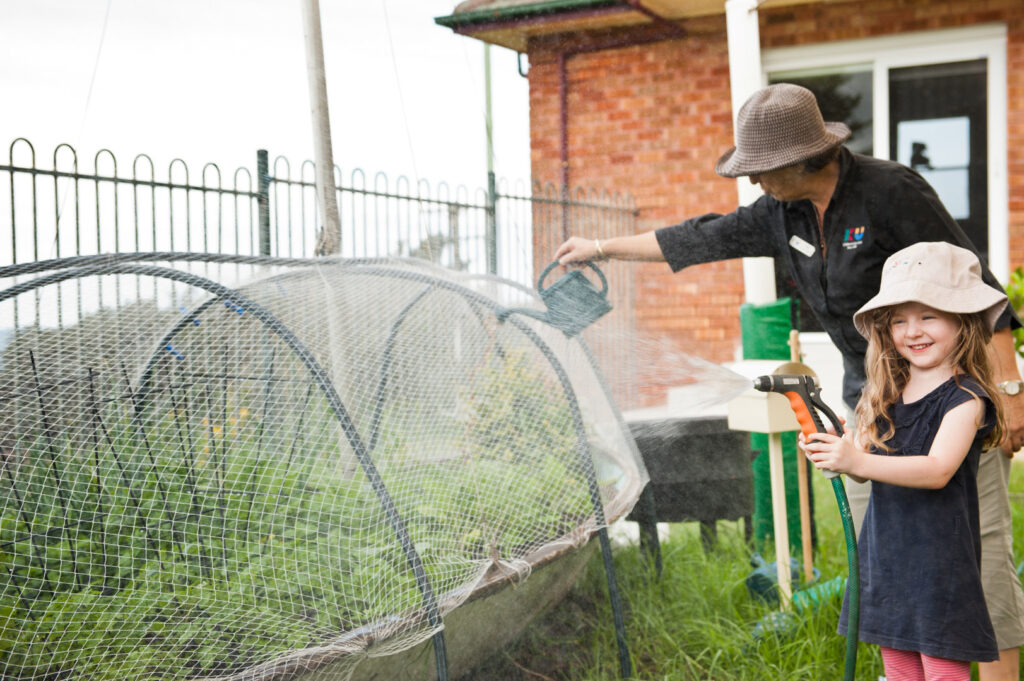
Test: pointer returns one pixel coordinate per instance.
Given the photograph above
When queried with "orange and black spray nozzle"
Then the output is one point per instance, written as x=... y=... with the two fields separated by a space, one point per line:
x=805 y=399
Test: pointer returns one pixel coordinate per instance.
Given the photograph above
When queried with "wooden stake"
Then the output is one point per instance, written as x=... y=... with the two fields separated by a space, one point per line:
x=802 y=481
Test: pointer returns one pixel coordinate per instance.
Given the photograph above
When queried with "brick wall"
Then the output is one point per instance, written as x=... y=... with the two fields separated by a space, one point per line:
x=651 y=120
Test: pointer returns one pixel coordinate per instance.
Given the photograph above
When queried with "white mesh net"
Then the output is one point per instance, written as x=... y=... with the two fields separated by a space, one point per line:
x=264 y=469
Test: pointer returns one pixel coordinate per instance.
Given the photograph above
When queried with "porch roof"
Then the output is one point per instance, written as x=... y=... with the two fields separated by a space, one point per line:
x=512 y=23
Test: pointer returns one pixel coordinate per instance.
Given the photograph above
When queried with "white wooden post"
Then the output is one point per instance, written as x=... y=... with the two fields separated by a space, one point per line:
x=769 y=413
x=780 y=521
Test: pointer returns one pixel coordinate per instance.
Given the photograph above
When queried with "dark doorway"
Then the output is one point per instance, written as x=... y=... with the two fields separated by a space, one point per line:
x=938 y=127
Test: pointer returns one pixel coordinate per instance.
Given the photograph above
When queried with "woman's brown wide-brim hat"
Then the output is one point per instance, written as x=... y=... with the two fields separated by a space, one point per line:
x=779 y=126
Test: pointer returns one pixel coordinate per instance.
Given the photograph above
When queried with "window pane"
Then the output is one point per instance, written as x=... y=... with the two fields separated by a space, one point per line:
x=938 y=127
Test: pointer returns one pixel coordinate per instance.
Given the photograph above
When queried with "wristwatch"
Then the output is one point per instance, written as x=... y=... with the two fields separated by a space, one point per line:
x=1010 y=387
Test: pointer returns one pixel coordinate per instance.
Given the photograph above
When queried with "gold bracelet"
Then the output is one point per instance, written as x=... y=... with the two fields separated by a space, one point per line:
x=597 y=247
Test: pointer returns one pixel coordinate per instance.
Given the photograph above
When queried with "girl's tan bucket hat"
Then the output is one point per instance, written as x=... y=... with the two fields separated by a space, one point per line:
x=779 y=126
x=937 y=274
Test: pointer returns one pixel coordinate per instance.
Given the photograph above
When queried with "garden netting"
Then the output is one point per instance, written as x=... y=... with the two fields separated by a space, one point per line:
x=228 y=468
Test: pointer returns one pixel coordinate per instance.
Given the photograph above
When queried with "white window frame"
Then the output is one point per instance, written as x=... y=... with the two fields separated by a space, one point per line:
x=879 y=55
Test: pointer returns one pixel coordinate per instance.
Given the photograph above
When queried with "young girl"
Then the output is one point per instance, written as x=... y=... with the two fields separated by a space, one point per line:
x=922 y=421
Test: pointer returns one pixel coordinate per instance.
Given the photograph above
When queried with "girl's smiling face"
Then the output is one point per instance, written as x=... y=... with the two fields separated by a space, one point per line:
x=924 y=336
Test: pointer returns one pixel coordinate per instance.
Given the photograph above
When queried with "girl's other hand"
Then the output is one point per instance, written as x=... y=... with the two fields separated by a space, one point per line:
x=828 y=451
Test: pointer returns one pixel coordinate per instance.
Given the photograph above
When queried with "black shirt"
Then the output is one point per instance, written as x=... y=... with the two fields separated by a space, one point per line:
x=878 y=207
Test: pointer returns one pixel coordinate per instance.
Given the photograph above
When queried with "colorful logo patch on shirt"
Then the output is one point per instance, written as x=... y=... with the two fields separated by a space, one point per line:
x=852 y=237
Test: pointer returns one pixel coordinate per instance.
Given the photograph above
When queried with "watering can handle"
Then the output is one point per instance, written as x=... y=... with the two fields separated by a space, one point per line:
x=600 y=275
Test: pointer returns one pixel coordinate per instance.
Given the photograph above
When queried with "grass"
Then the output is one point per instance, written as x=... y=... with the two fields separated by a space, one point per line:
x=696 y=621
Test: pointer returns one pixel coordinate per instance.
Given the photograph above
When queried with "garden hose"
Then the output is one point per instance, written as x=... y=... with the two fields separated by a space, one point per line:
x=853 y=583
x=805 y=399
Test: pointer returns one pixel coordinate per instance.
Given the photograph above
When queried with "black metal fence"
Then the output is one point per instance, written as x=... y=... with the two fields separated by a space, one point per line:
x=83 y=207
x=98 y=205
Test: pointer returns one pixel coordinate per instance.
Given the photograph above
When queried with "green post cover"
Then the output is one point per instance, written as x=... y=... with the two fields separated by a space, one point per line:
x=765 y=329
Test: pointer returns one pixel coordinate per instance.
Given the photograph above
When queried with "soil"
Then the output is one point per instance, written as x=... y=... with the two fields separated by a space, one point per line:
x=548 y=650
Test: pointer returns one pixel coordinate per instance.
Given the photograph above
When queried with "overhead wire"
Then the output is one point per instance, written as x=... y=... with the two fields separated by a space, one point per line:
x=401 y=97
x=84 y=117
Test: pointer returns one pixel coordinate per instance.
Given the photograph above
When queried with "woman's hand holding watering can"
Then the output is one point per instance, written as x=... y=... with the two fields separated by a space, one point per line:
x=578 y=249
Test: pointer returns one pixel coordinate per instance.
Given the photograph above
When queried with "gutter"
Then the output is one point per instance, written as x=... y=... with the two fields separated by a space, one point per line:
x=668 y=24
x=520 y=13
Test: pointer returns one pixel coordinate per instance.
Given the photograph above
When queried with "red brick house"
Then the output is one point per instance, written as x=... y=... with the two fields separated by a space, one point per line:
x=638 y=96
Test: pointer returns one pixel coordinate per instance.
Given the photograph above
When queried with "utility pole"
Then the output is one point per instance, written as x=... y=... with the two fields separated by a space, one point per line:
x=491 y=235
x=329 y=238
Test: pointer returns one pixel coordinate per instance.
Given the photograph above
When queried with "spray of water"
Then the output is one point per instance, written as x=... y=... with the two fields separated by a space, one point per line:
x=663 y=373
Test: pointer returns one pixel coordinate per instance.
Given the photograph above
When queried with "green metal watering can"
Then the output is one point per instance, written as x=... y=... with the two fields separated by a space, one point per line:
x=573 y=303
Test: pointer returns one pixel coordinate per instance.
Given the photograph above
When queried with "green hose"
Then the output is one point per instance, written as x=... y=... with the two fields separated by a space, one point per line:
x=853 y=582
x=805 y=398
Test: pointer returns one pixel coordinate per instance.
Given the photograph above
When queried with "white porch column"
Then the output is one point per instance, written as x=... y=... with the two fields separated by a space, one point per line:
x=745 y=77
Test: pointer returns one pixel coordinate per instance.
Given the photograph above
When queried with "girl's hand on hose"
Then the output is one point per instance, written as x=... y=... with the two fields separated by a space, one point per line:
x=828 y=451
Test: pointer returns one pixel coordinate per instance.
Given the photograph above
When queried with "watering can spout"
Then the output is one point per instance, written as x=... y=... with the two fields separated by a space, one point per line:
x=573 y=303
x=503 y=313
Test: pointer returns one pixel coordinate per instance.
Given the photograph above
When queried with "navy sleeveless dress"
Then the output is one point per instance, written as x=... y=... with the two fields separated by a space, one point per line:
x=920 y=549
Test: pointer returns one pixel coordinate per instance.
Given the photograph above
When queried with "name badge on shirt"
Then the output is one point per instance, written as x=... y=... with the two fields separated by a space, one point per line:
x=801 y=245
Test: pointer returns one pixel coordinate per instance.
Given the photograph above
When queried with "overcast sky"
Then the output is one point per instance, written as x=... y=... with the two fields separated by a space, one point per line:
x=214 y=80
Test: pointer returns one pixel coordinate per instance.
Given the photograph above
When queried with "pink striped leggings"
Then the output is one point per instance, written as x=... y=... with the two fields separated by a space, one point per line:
x=906 y=665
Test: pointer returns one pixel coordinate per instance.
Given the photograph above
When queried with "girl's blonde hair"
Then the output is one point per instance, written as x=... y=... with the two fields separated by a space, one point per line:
x=888 y=372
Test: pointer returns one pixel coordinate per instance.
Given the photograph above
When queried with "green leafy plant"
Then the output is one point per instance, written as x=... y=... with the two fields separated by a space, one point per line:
x=183 y=545
x=1015 y=291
